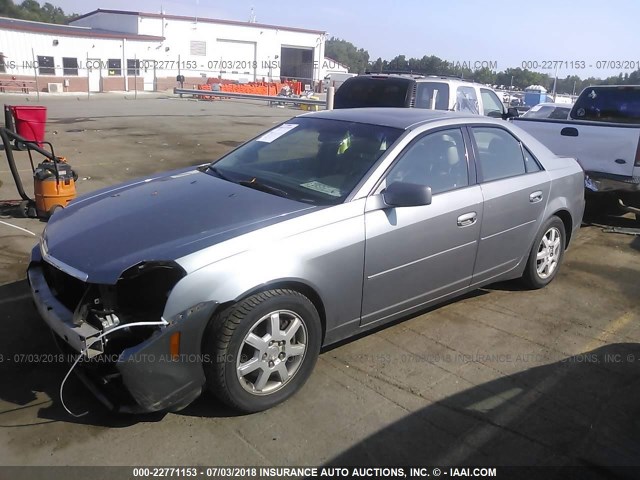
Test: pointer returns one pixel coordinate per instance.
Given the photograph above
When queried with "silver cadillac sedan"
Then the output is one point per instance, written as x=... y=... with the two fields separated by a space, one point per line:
x=231 y=276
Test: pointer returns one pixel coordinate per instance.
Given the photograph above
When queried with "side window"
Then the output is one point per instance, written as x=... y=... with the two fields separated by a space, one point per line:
x=115 y=66
x=437 y=160
x=466 y=100
x=432 y=95
x=46 y=65
x=530 y=163
x=491 y=103
x=70 y=66
x=499 y=153
x=560 y=113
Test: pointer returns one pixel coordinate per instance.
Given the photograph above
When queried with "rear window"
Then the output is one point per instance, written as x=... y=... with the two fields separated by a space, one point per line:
x=620 y=104
x=360 y=92
x=548 y=111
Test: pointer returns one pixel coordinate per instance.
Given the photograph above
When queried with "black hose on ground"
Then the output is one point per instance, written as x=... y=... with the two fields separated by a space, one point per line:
x=8 y=149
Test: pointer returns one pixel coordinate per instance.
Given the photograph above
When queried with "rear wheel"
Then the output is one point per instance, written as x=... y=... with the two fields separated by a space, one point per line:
x=263 y=349
x=23 y=209
x=546 y=254
x=53 y=209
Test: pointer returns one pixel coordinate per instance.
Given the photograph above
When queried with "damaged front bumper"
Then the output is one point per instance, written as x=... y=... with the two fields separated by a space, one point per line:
x=145 y=377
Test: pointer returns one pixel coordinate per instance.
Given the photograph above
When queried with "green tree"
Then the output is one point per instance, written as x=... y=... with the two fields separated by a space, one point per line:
x=356 y=60
x=376 y=66
x=8 y=9
x=486 y=76
x=399 y=63
x=31 y=10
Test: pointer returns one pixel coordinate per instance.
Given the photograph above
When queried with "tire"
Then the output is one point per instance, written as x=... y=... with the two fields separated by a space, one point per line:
x=52 y=210
x=23 y=209
x=257 y=372
x=535 y=276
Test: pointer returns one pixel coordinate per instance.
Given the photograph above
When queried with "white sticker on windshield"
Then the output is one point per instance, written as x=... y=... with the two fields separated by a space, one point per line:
x=276 y=132
x=322 y=188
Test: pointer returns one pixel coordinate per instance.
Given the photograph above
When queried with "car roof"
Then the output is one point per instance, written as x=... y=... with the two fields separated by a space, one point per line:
x=399 y=117
x=622 y=87
x=437 y=78
x=419 y=77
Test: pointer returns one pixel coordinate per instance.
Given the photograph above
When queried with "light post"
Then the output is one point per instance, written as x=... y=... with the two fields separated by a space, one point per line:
x=555 y=81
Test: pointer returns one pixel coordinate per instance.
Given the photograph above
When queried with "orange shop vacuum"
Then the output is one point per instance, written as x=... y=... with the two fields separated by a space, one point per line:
x=54 y=181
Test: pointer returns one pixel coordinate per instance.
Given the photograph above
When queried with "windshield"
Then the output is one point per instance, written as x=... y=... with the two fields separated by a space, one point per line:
x=310 y=160
x=366 y=91
x=612 y=104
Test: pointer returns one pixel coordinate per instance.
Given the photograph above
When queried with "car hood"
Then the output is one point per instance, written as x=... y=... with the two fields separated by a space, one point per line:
x=159 y=219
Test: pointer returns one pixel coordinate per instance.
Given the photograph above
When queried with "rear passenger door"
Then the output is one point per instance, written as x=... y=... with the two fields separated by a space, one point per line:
x=515 y=191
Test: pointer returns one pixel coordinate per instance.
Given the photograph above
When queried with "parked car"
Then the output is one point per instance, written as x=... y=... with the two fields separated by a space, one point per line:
x=336 y=79
x=603 y=133
x=231 y=276
x=420 y=91
x=557 y=111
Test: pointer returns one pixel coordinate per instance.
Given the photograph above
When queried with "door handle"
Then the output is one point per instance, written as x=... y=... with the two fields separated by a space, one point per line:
x=535 y=197
x=467 y=219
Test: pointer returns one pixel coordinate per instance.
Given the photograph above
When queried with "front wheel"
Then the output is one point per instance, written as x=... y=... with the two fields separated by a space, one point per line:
x=546 y=254
x=263 y=349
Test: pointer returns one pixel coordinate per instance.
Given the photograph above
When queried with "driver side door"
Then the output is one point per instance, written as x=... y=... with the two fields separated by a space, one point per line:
x=418 y=255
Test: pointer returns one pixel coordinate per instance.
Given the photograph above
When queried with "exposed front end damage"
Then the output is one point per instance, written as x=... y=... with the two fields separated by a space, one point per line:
x=131 y=358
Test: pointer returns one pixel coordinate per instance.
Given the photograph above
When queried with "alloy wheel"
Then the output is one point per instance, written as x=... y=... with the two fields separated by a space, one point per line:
x=548 y=253
x=272 y=352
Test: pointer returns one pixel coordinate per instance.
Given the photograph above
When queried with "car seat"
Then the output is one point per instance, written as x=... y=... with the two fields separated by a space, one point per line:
x=500 y=160
x=359 y=157
x=447 y=169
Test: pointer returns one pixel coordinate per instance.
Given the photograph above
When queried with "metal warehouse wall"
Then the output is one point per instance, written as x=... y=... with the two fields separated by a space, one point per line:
x=196 y=50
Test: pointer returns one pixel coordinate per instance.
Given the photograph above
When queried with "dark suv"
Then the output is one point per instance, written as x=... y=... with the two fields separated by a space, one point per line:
x=420 y=91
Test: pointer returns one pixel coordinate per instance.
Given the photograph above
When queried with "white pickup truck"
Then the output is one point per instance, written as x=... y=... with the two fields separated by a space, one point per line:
x=603 y=134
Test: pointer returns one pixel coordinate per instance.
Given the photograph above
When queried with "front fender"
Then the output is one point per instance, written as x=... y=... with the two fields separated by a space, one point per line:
x=328 y=258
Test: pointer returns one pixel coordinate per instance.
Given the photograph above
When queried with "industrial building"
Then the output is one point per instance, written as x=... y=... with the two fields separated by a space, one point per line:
x=113 y=50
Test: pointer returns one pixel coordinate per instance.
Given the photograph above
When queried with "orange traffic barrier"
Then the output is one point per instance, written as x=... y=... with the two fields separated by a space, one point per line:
x=254 y=88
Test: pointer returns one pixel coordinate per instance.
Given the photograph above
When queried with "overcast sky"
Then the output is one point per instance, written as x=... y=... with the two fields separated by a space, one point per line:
x=506 y=32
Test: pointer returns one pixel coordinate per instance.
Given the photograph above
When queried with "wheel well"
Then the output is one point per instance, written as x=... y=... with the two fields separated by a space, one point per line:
x=303 y=288
x=565 y=216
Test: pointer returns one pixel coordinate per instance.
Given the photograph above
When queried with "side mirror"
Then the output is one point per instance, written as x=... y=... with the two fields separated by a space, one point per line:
x=400 y=194
x=512 y=112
